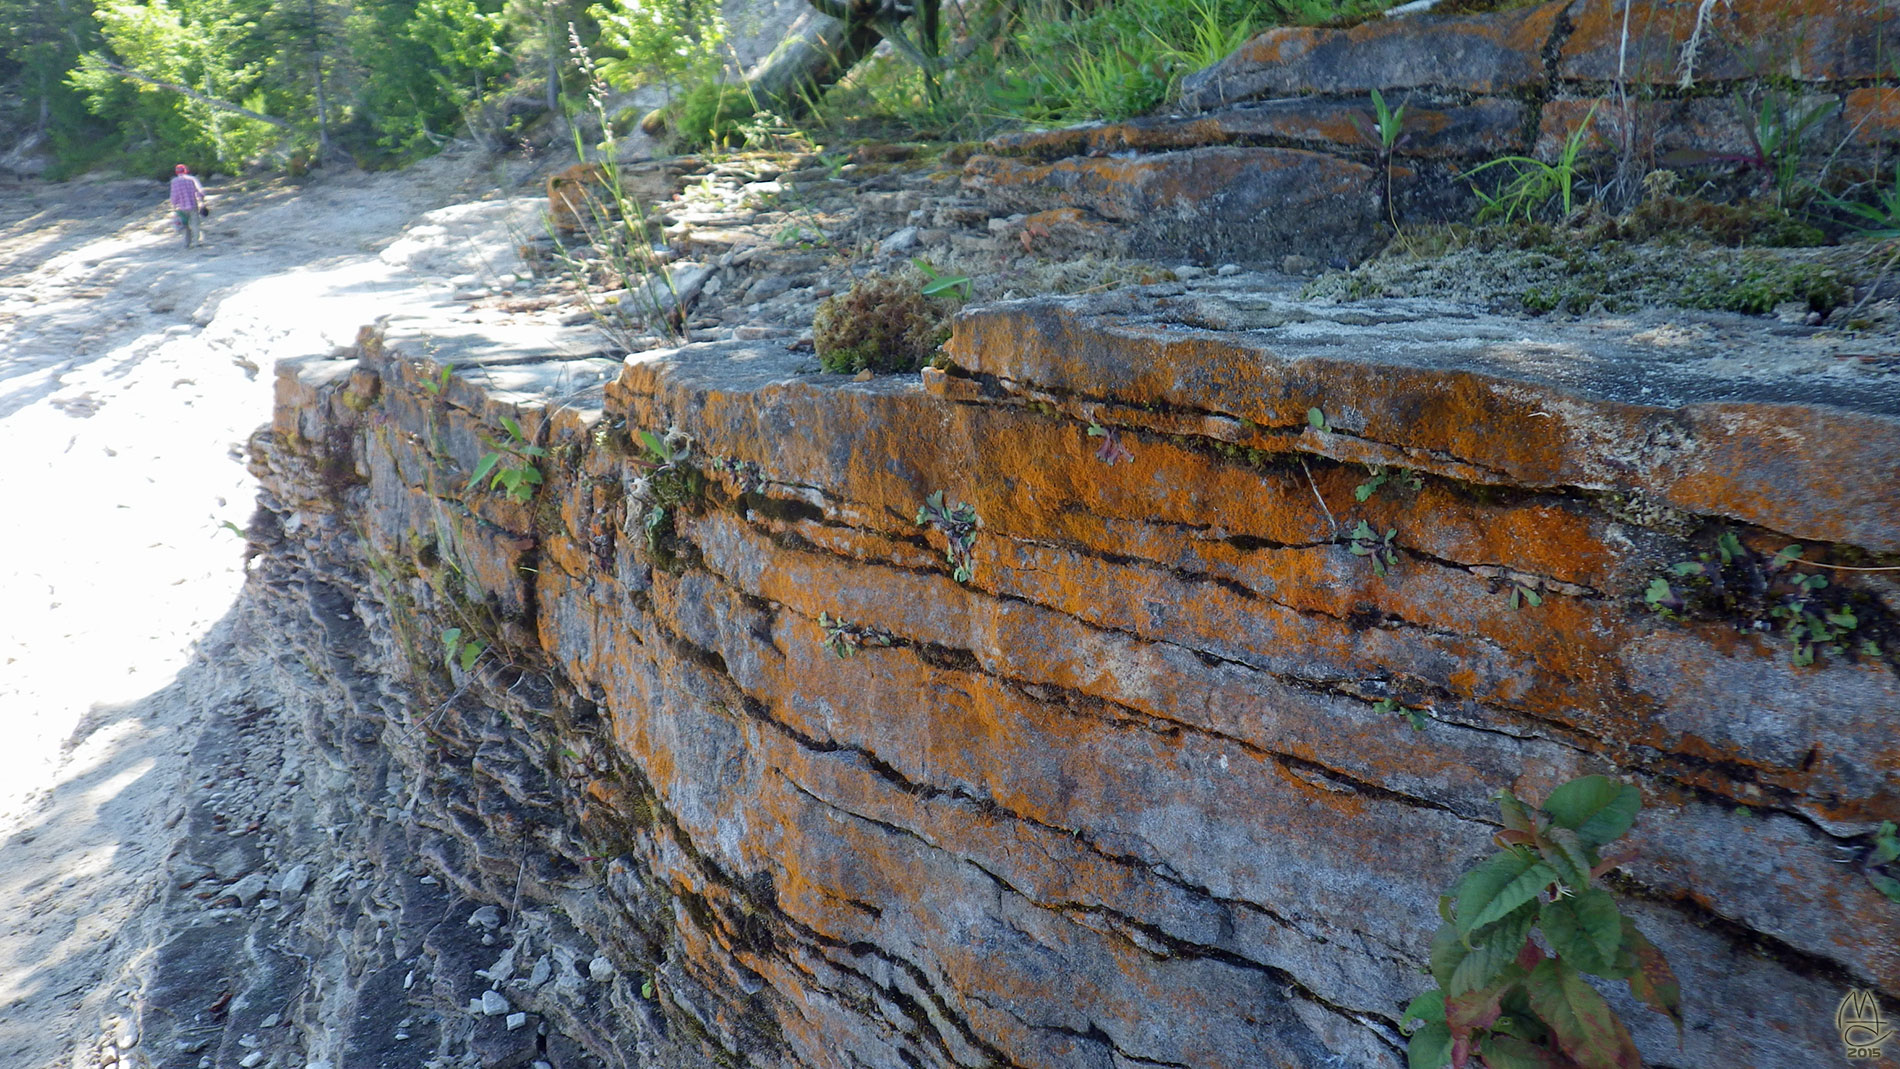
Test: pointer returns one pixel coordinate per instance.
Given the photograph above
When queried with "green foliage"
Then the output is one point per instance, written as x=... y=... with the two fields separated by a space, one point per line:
x=1882 y=871
x=460 y=648
x=1534 y=185
x=1416 y=717
x=882 y=323
x=669 y=44
x=1877 y=221
x=1403 y=477
x=1317 y=420
x=937 y=283
x=712 y=115
x=1504 y=1000
x=509 y=466
x=959 y=524
x=1379 y=549
x=1757 y=592
x=844 y=638
x=669 y=484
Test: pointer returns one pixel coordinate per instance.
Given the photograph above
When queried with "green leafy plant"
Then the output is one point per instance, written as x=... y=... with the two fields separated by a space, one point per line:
x=1522 y=595
x=1505 y=1000
x=509 y=466
x=1385 y=135
x=1317 y=420
x=1764 y=592
x=1534 y=184
x=1380 y=549
x=937 y=283
x=844 y=638
x=1404 y=477
x=1877 y=221
x=440 y=382
x=667 y=484
x=1886 y=850
x=1416 y=717
x=461 y=648
x=959 y=524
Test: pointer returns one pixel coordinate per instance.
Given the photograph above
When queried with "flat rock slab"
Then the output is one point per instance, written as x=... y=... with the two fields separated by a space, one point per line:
x=1686 y=407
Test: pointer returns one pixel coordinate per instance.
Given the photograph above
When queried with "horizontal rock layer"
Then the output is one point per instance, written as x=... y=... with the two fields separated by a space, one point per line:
x=1126 y=794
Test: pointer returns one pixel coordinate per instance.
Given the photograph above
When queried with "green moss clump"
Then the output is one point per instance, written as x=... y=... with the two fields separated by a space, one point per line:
x=1757 y=286
x=883 y=323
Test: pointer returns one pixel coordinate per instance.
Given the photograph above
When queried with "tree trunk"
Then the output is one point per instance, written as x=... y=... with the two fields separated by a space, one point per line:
x=818 y=50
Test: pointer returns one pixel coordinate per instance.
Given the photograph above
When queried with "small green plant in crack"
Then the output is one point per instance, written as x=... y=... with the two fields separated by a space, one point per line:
x=461 y=648
x=1380 y=549
x=1317 y=420
x=1766 y=593
x=668 y=484
x=1883 y=861
x=509 y=466
x=1506 y=1000
x=959 y=524
x=1391 y=706
x=435 y=386
x=1403 y=477
x=844 y=638
x=1524 y=595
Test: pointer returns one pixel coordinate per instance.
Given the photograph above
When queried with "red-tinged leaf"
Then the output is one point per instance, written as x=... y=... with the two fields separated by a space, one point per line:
x=1513 y=837
x=1623 y=857
x=1517 y=815
x=1583 y=1024
x=1460 y=1052
x=1474 y=1010
x=1528 y=958
x=1650 y=978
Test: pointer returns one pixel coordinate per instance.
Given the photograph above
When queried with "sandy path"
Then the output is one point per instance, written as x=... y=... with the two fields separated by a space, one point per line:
x=131 y=374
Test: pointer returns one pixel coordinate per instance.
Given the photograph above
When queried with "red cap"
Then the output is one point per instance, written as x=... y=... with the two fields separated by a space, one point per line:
x=180 y=169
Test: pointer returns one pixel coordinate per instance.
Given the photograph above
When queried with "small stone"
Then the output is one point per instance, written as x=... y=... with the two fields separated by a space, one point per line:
x=516 y=1020
x=1187 y=271
x=409 y=980
x=292 y=881
x=429 y=881
x=251 y=1059
x=1226 y=270
x=542 y=970
x=494 y=1004
x=486 y=917
x=600 y=970
x=901 y=241
x=249 y=889
x=109 y=1056
x=270 y=1022
x=126 y=1035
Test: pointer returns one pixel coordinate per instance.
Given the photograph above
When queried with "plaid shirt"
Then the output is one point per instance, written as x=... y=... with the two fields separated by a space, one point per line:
x=187 y=194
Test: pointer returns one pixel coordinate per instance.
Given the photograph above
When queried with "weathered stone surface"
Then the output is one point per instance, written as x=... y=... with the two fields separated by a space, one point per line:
x=1705 y=124
x=1212 y=204
x=1479 y=54
x=1125 y=795
x=1872 y=116
x=1803 y=40
x=1487 y=126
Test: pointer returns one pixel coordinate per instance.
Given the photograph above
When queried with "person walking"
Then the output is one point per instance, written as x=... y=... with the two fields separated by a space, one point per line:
x=188 y=201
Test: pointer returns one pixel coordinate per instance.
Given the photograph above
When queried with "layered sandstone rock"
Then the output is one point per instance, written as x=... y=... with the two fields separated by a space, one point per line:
x=1129 y=794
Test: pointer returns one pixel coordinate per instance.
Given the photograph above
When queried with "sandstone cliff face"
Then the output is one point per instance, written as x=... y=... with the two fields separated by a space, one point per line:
x=1127 y=794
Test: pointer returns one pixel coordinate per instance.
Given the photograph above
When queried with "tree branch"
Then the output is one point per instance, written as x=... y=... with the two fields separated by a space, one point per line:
x=208 y=101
